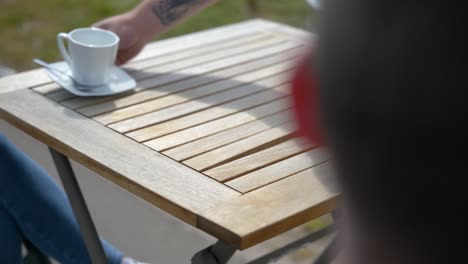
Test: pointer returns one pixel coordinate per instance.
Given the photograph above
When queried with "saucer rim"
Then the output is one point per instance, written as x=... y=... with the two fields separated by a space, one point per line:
x=90 y=92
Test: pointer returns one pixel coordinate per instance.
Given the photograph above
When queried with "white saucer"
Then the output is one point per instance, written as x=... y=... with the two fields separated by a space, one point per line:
x=119 y=82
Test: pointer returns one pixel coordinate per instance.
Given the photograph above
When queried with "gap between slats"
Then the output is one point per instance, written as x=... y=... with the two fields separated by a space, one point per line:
x=199 y=39
x=278 y=171
x=222 y=88
x=193 y=52
x=241 y=148
x=149 y=72
x=237 y=168
x=182 y=74
x=46 y=89
x=95 y=106
x=209 y=136
x=240 y=105
x=159 y=70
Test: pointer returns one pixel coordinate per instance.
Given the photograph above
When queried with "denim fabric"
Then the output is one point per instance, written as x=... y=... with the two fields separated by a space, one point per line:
x=33 y=205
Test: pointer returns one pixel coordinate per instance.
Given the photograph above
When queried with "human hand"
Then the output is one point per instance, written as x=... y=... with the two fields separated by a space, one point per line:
x=131 y=34
x=147 y=20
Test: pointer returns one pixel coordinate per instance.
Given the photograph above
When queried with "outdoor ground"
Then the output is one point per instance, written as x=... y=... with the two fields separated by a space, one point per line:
x=28 y=27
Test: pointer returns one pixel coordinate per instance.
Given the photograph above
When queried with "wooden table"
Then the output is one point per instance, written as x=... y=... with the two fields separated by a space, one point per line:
x=206 y=135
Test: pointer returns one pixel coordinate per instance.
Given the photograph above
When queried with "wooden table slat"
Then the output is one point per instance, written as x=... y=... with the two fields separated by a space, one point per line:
x=209 y=47
x=60 y=94
x=169 y=80
x=200 y=139
x=95 y=106
x=171 y=126
x=38 y=77
x=258 y=160
x=278 y=171
x=210 y=36
x=48 y=88
x=24 y=80
x=238 y=149
x=164 y=76
x=214 y=93
x=204 y=58
x=208 y=108
x=147 y=113
x=136 y=70
x=151 y=72
x=203 y=130
x=256 y=216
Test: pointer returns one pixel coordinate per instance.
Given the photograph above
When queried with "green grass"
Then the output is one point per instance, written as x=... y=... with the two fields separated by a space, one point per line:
x=28 y=27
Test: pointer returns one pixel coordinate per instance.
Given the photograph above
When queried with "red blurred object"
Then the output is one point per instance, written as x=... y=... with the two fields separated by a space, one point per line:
x=305 y=98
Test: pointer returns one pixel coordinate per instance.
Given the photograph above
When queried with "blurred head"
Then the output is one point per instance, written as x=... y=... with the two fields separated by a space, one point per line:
x=393 y=108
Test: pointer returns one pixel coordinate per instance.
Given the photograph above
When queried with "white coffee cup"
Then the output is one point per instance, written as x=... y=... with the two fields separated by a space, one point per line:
x=91 y=54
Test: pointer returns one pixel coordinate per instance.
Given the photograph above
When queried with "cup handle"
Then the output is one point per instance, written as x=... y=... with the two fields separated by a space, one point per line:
x=61 y=44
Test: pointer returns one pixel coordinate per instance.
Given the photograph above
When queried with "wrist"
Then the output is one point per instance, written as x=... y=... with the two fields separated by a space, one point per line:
x=145 y=22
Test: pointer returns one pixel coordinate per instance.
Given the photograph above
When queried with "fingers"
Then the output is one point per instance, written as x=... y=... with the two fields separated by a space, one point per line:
x=130 y=41
x=125 y=55
x=104 y=24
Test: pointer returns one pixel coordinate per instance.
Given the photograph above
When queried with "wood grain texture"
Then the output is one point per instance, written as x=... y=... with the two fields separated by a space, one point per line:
x=238 y=149
x=258 y=160
x=176 y=139
x=209 y=47
x=38 y=77
x=173 y=73
x=213 y=56
x=163 y=60
x=47 y=88
x=214 y=93
x=276 y=208
x=164 y=76
x=215 y=126
x=185 y=61
x=206 y=137
x=210 y=114
x=278 y=171
x=200 y=139
x=23 y=80
x=219 y=104
x=59 y=95
x=96 y=106
x=213 y=35
x=151 y=51
x=169 y=80
x=152 y=176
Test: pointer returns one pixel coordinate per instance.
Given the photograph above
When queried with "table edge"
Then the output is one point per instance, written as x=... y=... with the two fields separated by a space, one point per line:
x=10 y=99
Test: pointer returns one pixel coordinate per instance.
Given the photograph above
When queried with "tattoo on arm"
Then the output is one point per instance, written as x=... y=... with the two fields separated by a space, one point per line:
x=169 y=11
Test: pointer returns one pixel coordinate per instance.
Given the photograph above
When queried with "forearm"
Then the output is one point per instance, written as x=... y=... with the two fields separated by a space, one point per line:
x=156 y=16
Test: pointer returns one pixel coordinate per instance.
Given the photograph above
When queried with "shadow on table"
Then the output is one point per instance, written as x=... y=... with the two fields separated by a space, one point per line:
x=204 y=91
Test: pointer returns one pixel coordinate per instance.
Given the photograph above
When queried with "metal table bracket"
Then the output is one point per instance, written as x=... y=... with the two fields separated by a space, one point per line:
x=80 y=210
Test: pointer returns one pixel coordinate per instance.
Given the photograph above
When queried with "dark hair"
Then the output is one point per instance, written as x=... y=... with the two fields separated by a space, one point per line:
x=393 y=99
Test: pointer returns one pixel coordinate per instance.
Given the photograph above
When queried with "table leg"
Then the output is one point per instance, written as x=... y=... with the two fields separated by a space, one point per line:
x=219 y=253
x=80 y=210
